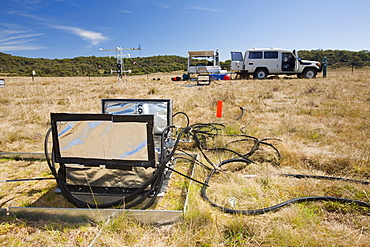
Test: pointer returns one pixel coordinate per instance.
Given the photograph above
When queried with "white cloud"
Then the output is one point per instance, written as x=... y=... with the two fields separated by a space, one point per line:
x=94 y=38
x=17 y=36
x=125 y=11
x=13 y=37
x=204 y=9
x=29 y=4
x=21 y=47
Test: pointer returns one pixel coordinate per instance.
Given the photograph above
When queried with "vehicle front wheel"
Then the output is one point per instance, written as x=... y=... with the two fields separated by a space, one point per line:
x=309 y=73
x=261 y=74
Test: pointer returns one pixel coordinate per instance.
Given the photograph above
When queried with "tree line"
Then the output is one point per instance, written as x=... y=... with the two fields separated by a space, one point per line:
x=102 y=66
x=87 y=66
x=338 y=58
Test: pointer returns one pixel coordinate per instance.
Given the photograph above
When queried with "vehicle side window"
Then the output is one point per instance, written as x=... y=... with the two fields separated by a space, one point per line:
x=271 y=54
x=255 y=55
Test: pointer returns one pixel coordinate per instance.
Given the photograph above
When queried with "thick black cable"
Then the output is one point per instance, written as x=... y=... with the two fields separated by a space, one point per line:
x=199 y=129
x=272 y=146
x=166 y=161
x=163 y=137
x=46 y=150
x=186 y=176
x=36 y=179
x=155 y=187
x=231 y=151
x=199 y=145
x=24 y=179
x=248 y=138
x=82 y=204
x=199 y=133
x=241 y=114
x=156 y=192
x=183 y=113
x=152 y=181
x=324 y=177
x=257 y=146
x=275 y=207
x=79 y=203
x=192 y=159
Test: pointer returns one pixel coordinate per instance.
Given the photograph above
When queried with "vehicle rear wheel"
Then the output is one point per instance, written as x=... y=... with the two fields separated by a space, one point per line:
x=309 y=73
x=261 y=73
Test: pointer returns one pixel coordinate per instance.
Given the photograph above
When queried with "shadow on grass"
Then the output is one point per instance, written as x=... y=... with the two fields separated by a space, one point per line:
x=51 y=199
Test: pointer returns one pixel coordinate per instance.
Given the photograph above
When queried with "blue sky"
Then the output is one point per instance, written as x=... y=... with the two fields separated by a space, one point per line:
x=72 y=28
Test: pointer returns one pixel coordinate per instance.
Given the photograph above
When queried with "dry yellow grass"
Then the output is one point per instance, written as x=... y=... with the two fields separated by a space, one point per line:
x=324 y=129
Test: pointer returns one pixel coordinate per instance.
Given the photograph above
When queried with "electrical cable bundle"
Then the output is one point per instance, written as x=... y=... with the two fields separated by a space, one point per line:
x=201 y=132
x=132 y=199
x=285 y=203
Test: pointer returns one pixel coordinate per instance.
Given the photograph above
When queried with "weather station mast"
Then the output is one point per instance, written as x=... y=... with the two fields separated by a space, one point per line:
x=119 y=55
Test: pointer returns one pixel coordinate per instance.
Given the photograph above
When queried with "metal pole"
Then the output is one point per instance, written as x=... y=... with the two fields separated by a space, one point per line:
x=324 y=67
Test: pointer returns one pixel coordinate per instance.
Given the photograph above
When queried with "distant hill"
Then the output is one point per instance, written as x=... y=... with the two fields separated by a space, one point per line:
x=88 y=66
x=101 y=66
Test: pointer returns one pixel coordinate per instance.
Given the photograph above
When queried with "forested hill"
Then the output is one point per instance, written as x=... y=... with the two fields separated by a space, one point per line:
x=88 y=66
x=101 y=66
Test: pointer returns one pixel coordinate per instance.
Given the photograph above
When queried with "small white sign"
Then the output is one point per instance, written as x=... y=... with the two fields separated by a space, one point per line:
x=232 y=202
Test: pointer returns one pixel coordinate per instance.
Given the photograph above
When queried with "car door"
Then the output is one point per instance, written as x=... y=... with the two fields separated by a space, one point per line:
x=271 y=60
x=237 y=60
x=288 y=62
x=254 y=60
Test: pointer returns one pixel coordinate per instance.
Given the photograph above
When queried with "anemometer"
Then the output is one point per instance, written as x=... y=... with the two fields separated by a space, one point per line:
x=119 y=55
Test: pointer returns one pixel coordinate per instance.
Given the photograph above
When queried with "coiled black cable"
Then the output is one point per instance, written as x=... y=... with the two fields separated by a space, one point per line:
x=206 y=131
x=155 y=182
x=60 y=179
x=200 y=133
x=186 y=116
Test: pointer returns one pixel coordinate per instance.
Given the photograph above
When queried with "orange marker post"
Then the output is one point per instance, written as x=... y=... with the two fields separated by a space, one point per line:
x=219 y=109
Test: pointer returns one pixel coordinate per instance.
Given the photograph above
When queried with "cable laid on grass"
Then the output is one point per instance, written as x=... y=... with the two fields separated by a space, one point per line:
x=245 y=158
x=324 y=177
x=283 y=204
x=200 y=133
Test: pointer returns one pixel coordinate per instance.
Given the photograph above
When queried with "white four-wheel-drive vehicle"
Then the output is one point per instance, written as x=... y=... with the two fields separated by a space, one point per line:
x=272 y=61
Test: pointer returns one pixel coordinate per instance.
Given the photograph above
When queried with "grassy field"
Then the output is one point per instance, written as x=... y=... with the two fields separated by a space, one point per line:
x=322 y=126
